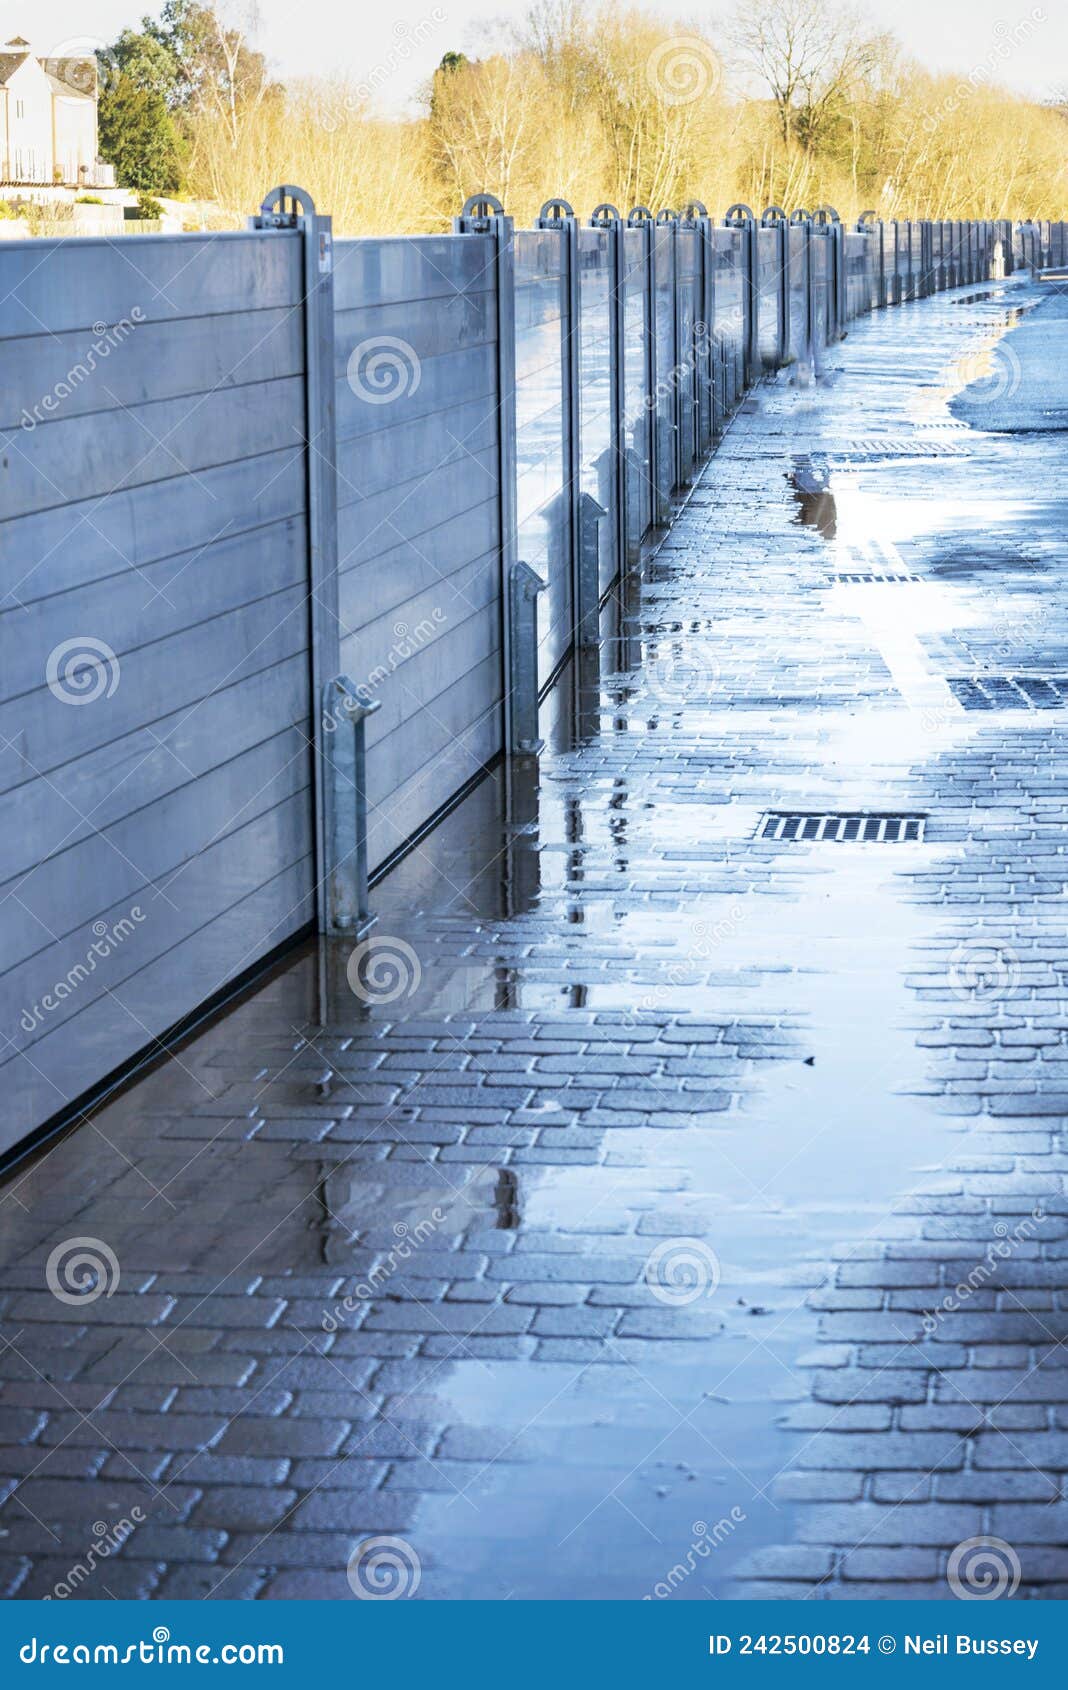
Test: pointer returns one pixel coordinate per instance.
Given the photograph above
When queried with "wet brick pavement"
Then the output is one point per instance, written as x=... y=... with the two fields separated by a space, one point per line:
x=670 y=1211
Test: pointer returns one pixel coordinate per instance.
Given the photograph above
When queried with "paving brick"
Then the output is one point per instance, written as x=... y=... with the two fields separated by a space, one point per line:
x=689 y=1005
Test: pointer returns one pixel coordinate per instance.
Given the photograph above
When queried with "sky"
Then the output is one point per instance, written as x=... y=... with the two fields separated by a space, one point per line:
x=395 y=44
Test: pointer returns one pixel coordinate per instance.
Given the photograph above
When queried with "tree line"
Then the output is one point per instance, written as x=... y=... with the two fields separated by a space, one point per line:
x=791 y=102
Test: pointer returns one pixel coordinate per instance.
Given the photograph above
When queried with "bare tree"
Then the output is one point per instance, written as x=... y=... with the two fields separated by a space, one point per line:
x=809 y=54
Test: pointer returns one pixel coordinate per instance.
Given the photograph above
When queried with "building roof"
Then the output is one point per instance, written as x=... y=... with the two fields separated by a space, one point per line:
x=69 y=90
x=74 y=76
x=9 y=64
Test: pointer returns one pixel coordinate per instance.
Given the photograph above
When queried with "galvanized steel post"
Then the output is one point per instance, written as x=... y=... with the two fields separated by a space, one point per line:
x=606 y=218
x=740 y=216
x=695 y=216
x=583 y=531
x=288 y=208
x=641 y=218
x=774 y=217
x=483 y=214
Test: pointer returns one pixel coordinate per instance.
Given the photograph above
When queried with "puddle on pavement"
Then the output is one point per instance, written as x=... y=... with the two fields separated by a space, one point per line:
x=674 y=1442
x=816 y=506
x=649 y=1448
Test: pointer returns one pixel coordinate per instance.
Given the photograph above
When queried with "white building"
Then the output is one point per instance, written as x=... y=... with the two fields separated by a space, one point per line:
x=48 y=132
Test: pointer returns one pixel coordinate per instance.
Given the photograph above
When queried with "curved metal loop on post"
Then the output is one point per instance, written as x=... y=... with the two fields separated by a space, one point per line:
x=301 y=202
x=482 y=205
x=865 y=222
x=772 y=216
x=693 y=209
x=554 y=214
x=639 y=214
x=666 y=215
x=825 y=214
x=800 y=216
x=603 y=215
x=738 y=214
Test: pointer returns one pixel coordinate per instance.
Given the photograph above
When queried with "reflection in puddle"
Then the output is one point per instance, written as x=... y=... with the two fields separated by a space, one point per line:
x=816 y=506
x=506 y=1198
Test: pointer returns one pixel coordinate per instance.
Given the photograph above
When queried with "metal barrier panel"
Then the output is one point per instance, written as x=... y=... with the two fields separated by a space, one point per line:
x=155 y=695
x=730 y=324
x=544 y=523
x=915 y=240
x=667 y=358
x=819 y=306
x=797 y=235
x=858 y=273
x=769 y=291
x=637 y=411
x=418 y=517
x=704 y=344
x=688 y=282
x=597 y=454
x=900 y=269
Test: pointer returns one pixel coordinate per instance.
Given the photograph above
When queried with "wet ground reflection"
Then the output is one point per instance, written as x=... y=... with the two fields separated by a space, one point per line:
x=389 y=1249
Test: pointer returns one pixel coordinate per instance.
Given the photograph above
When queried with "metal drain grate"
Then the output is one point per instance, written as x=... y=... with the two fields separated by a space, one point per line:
x=856 y=578
x=878 y=450
x=1009 y=692
x=846 y=828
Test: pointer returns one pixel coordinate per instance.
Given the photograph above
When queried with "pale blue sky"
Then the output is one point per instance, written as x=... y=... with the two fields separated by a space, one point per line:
x=394 y=45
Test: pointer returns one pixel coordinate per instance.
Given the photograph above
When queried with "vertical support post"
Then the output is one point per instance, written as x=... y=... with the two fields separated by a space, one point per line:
x=868 y=225
x=642 y=218
x=669 y=430
x=607 y=218
x=741 y=217
x=785 y=347
x=695 y=217
x=751 y=271
x=521 y=599
x=829 y=226
x=676 y=397
x=774 y=217
x=344 y=762
x=288 y=208
x=483 y=214
x=584 y=534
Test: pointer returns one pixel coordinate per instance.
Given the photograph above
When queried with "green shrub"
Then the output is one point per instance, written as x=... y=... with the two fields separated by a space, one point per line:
x=88 y=199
